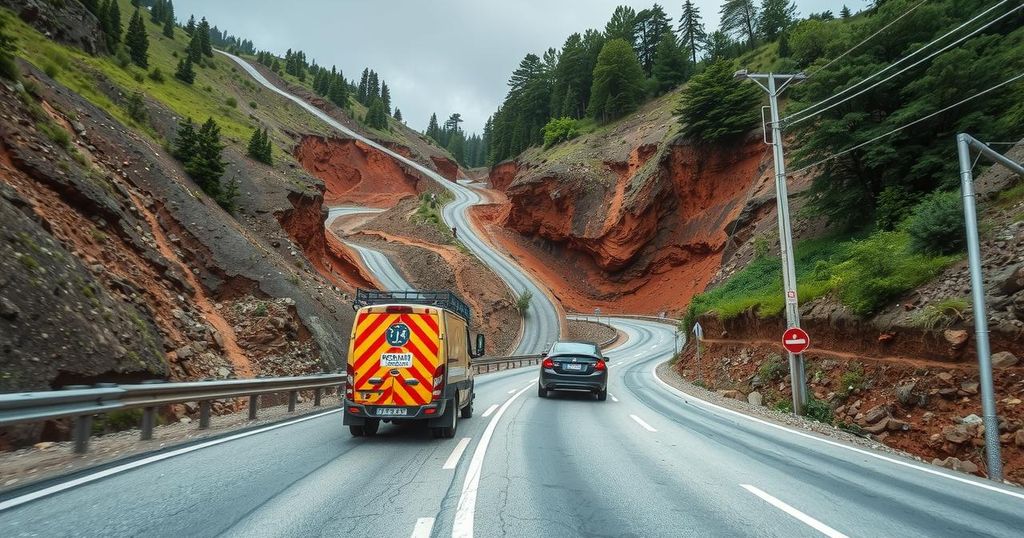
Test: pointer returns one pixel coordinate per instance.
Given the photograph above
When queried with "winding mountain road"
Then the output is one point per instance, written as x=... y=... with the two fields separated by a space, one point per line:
x=542 y=324
x=374 y=260
x=650 y=461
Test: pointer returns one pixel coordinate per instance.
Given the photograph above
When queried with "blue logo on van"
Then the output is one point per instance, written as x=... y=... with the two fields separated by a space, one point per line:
x=397 y=335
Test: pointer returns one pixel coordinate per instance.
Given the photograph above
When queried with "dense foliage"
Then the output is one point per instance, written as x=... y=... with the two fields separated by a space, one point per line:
x=137 y=41
x=200 y=152
x=260 y=147
x=847 y=189
x=559 y=130
x=8 y=69
x=716 y=107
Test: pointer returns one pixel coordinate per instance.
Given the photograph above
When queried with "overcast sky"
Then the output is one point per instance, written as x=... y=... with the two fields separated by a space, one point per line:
x=438 y=56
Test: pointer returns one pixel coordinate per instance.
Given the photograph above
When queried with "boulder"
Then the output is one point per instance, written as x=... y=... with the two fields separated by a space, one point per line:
x=1003 y=359
x=971 y=420
x=1011 y=280
x=755 y=398
x=895 y=425
x=1018 y=439
x=955 y=337
x=969 y=387
x=956 y=464
x=956 y=434
x=730 y=393
x=878 y=427
x=876 y=413
x=905 y=392
x=945 y=376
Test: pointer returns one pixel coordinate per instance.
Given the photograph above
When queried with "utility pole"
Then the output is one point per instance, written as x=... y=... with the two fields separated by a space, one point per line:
x=771 y=85
x=964 y=143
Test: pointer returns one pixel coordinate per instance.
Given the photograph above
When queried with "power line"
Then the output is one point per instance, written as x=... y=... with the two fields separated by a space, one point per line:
x=905 y=126
x=809 y=112
x=866 y=39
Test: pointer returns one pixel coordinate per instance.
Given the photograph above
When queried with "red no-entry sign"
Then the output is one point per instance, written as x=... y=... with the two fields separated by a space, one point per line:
x=795 y=340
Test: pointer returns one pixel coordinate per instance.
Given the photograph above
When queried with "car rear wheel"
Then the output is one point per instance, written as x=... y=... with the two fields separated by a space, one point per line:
x=542 y=392
x=602 y=395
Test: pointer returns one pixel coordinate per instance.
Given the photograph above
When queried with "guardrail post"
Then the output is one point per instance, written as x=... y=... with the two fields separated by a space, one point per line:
x=204 y=414
x=83 y=429
x=148 y=421
x=254 y=402
x=293 y=398
x=317 y=394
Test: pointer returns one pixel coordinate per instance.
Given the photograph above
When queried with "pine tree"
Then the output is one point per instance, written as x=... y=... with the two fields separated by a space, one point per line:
x=169 y=27
x=267 y=151
x=739 y=18
x=185 y=73
x=671 y=67
x=185 y=139
x=433 y=131
x=716 y=107
x=398 y=114
x=93 y=6
x=776 y=17
x=372 y=87
x=363 y=91
x=337 y=93
x=190 y=28
x=195 y=49
x=845 y=12
x=110 y=21
x=385 y=96
x=623 y=25
x=204 y=37
x=618 y=82
x=137 y=41
x=156 y=12
x=719 y=46
x=260 y=147
x=205 y=165
x=652 y=24
x=691 y=29
x=375 y=116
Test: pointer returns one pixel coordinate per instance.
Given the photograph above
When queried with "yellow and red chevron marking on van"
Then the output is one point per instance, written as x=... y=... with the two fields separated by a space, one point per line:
x=371 y=342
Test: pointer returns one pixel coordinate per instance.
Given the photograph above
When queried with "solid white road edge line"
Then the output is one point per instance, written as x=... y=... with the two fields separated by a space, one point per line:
x=714 y=407
x=804 y=518
x=57 y=488
x=490 y=410
x=462 y=527
x=643 y=424
x=424 y=526
x=453 y=459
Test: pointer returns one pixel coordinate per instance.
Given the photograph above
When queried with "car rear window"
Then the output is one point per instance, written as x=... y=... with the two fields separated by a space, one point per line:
x=569 y=348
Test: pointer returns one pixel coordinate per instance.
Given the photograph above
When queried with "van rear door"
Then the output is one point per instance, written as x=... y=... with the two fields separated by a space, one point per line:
x=395 y=355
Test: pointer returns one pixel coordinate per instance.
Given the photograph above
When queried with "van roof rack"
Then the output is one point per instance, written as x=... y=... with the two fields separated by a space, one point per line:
x=439 y=299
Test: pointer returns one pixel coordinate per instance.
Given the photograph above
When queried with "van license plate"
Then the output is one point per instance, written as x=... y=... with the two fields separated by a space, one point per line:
x=572 y=366
x=392 y=412
x=396 y=360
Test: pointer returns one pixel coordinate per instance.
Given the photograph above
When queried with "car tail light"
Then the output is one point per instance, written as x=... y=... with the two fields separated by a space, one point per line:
x=548 y=363
x=599 y=366
x=398 y=310
x=353 y=409
x=349 y=381
x=429 y=411
x=438 y=382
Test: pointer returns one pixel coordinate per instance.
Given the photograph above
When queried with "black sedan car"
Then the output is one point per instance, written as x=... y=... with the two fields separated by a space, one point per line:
x=575 y=366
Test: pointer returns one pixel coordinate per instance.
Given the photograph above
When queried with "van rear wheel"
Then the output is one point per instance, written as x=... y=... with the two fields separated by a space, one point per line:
x=371 y=427
x=357 y=431
x=467 y=412
x=447 y=432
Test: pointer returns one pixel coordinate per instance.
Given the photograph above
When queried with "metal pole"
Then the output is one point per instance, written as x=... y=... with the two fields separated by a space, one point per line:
x=796 y=366
x=988 y=399
x=148 y=421
x=293 y=398
x=317 y=395
x=700 y=376
x=204 y=414
x=82 y=431
x=254 y=402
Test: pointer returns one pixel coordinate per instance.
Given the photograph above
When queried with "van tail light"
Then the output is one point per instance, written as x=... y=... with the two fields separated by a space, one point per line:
x=349 y=381
x=599 y=366
x=548 y=363
x=438 y=382
x=398 y=310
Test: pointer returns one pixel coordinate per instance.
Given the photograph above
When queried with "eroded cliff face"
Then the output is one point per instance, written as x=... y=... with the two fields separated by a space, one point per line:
x=448 y=168
x=354 y=173
x=644 y=233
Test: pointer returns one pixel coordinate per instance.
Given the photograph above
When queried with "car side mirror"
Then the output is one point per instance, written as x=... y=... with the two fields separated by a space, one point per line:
x=481 y=345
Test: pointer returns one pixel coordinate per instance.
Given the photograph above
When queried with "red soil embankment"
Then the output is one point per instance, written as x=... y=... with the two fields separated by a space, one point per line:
x=354 y=173
x=448 y=168
x=646 y=240
x=305 y=225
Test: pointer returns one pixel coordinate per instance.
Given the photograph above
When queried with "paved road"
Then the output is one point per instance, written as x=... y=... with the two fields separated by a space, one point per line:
x=541 y=326
x=387 y=274
x=647 y=462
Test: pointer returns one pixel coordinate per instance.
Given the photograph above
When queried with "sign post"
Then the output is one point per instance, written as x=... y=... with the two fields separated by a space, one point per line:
x=698 y=336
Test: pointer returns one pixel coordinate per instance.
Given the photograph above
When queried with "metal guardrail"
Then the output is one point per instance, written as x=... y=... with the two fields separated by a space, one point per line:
x=494 y=364
x=82 y=403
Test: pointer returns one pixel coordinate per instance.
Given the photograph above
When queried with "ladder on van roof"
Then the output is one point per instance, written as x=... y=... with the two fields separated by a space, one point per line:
x=439 y=299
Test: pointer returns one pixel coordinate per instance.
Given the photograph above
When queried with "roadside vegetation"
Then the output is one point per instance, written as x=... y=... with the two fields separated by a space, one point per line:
x=523 y=302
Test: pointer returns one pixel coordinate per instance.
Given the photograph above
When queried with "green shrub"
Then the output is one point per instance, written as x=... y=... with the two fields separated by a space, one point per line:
x=116 y=421
x=8 y=69
x=892 y=207
x=55 y=133
x=818 y=410
x=231 y=102
x=942 y=314
x=51 y=70
x=772 y=369
x=136 y=107
x=122 y=59
x=715 y=107
x=156 y=75
x=252 y=105
x=879 y=269
x=523 y=302
x=852 y=379
x=559 y=130
x=936 y=225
